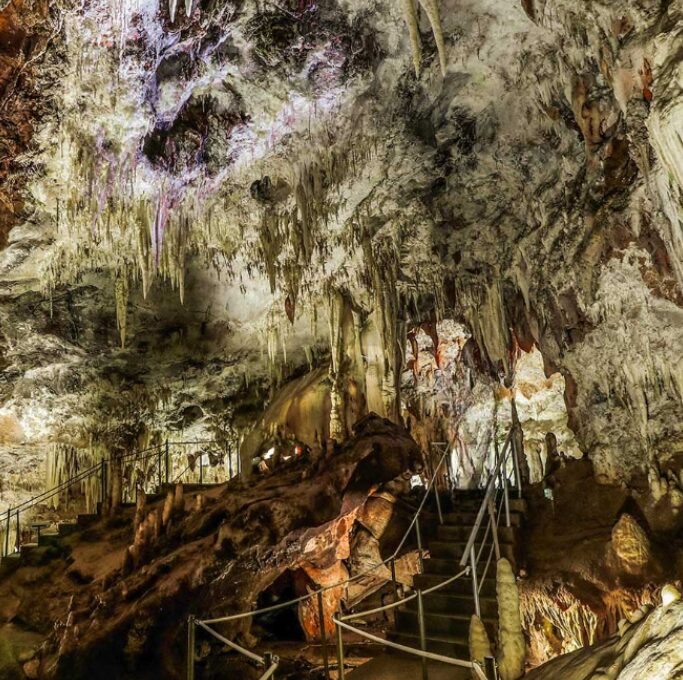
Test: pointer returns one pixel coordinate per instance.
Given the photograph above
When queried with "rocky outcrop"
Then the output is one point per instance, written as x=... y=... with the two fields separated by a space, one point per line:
x=650 y=647
x=209 y=558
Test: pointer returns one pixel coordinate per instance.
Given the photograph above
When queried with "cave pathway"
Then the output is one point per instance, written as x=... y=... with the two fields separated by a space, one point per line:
x=402 y=667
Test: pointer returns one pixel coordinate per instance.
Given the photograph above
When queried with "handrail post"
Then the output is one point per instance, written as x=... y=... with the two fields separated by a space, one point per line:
x=393 y=578
x=229 y=454
x=323 y=634
x=423 y=633
x=517 y=443
x=102 y=483
x=419 y=544
x=159 y=468
x=168 y=460
x=475 y=585
x=340 y=652
x=438 y=500
x=106 y=481
x=506 y=496
x=201 y=467
x=515 y=462
x=190 y=647
x=9 y=510
x=490 y=669
x=494 y=527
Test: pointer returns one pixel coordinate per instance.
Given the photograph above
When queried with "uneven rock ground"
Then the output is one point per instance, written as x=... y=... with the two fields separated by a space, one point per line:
x=100 y=617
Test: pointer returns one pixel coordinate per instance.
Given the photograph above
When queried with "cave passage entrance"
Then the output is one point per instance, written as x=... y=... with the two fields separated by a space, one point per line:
x=283 y=624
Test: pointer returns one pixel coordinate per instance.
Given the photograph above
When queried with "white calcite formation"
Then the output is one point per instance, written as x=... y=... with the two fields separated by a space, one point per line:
x=511 y=645
x=651 y=647
x=220 y=196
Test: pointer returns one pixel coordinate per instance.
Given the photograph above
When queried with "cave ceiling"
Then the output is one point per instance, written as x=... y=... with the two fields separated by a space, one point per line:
x=185 y=201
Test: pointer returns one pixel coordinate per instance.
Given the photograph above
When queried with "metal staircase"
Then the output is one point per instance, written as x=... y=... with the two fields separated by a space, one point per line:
x=447 y=612
x=26 y=542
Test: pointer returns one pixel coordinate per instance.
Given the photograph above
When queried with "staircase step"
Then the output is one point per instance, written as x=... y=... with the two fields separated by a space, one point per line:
x=188 y=488
x=451 y=646
x=445 y=567
x=437 y=624
x=463 y=518
x=447 y=532
x=446 y=602
x=67 y=528
x=462 y=586
x=49 y=538
x=455 y=550
x=87 y=519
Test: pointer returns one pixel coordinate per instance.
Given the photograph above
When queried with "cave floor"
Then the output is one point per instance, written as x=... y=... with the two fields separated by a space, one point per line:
x=386 y=667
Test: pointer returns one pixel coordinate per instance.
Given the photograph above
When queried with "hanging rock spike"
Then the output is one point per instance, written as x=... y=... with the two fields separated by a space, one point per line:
x=410 y=16
x=172 y=6
x=432 y=9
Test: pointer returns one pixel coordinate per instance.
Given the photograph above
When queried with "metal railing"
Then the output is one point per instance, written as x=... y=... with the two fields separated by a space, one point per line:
x=497 y=485
x=389 y=562
x=207 y=624
x=158 y=472
x=496 y=498
x=341 y=622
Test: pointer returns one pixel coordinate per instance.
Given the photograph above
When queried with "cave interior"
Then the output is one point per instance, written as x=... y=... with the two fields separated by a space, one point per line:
x=341 y=338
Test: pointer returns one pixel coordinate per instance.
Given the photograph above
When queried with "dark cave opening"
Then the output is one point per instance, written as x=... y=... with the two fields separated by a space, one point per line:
x=282 y=624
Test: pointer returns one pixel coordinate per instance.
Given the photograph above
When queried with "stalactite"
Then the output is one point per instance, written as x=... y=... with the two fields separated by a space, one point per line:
x=121 y=293
x=336 y=308
x=431 y=7
x=64 y=462
x=410 y=16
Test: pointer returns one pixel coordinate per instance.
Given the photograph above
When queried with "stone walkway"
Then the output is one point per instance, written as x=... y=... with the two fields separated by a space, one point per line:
x=403 y=668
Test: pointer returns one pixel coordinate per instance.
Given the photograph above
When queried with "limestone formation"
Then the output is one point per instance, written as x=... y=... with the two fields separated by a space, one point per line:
x=631 y=544
x=480 y=646
x=511 y=644
x=304 y=252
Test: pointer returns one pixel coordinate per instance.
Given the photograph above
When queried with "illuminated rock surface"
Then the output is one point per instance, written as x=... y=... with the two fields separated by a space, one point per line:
x=256 y=224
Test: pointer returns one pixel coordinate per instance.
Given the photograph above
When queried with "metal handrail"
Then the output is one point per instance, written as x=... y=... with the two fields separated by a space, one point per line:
x=192 y=622
x=341 y=621
x=425 y=655
x=99 y=469
x=351 y=579
x=470 y=554
x=230 y=643
x=45 y=495
x=482 y=509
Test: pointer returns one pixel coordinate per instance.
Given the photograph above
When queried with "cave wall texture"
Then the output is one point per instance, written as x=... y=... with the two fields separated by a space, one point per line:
x=197 y=210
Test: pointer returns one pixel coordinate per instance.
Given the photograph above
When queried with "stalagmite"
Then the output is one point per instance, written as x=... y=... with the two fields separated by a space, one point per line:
x=670 y=594
x=631 y=544
x=178 y=499
x=512 y=651
x=480 y=646
x=167 y=511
